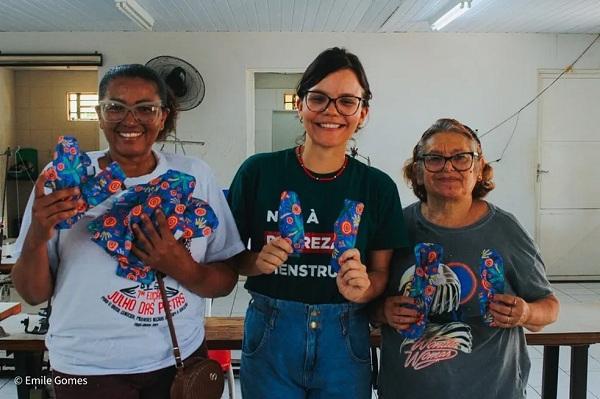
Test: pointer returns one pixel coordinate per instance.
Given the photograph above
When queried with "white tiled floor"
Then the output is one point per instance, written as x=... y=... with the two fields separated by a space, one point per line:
x=235 y=305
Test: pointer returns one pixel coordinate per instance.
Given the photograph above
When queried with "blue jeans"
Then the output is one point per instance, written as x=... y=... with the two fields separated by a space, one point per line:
x=293 y=350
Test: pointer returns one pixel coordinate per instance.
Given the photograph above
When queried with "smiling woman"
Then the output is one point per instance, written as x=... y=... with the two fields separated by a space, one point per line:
x=311 y=287
x=135 y=110
x=104 y=327
x=479 y=248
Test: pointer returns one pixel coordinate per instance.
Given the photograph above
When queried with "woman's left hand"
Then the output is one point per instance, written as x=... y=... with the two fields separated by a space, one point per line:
x=158 y=248
x=509 y=311
x=352 y=278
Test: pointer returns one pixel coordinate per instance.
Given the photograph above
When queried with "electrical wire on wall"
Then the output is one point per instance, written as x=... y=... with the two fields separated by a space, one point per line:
x=518 y=113
x=173 y=139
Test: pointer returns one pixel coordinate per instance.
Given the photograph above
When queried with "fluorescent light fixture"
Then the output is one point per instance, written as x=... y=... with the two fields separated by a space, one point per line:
x=25 y=60
x=450 y=15
x=136 y=13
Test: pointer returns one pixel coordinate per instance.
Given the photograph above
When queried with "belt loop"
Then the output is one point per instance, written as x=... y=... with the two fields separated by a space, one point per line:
x=344 y=322
x=273 y=310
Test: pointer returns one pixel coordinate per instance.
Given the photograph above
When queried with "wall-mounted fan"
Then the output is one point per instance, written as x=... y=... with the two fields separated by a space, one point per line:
x=187 y=85
x=184 y=80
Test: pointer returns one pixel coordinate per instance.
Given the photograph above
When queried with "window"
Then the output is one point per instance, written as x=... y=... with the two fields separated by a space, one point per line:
x=289 y=101
x=82 y=106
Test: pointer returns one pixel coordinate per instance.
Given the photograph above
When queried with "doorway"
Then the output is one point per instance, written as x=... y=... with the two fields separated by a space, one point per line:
x=276 y=122
x=568 y=217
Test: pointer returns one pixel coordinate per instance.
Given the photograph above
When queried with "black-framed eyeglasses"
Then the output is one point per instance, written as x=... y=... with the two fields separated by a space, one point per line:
x=460 y=162
x=345 y=105
x=115 y=111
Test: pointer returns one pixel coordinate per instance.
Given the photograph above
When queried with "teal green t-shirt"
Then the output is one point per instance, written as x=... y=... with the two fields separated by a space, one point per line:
x=254 y=199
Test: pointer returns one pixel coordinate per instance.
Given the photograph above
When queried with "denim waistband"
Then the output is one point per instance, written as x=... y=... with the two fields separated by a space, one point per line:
x=267 y=304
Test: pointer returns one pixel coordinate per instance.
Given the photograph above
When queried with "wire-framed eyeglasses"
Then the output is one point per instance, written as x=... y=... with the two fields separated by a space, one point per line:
x=436 y=163
x=345 y=105
x=115 y=111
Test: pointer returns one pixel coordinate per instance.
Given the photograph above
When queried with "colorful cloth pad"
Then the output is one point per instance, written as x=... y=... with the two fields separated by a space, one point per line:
x=345 y=230
x=491 y=271
x=291 y=225
x=187 y=217
x=427 y=260
x=70 y=169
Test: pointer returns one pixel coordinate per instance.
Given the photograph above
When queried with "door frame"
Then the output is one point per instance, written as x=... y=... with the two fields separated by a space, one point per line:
x=250 y=106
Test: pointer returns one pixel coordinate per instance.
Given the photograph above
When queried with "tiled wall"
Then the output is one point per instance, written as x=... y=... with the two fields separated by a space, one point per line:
x=7 y=119
x=41 y=110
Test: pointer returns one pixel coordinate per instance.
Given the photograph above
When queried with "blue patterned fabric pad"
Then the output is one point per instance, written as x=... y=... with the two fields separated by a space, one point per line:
x=291 y=224
x=187 y=218
x=345 y=230
x=491 y=272
x=70 y=169
x=427 y=261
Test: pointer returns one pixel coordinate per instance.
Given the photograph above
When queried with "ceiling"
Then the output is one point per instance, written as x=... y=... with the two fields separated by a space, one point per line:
x=486 y=16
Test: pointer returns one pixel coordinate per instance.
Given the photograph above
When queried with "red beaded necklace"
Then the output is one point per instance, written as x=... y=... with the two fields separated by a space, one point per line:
x=318 y=178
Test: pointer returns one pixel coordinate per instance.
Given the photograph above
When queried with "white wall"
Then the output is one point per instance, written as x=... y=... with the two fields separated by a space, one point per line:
x=415 y=78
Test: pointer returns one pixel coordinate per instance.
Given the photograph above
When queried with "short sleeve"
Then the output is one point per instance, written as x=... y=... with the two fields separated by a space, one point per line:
x=390 y=230
x=528 y=274
x=240 y=200
x=225 y=242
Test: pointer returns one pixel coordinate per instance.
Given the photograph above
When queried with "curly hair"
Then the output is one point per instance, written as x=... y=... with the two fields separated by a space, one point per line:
x=143 y=72
x=413 y=166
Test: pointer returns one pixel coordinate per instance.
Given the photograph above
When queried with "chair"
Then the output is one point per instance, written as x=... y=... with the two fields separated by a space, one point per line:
x=223 y=357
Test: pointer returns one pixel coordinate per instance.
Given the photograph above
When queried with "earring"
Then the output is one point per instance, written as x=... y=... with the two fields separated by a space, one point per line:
x=479 y=178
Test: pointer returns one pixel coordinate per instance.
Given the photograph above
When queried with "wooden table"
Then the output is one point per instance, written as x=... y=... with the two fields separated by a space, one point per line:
x=578 y=327
x=8 y=309
x=6 y=265
x=224 y=332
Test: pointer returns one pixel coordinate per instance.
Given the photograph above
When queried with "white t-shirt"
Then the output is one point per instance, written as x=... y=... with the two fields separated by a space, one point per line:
x=105 y=324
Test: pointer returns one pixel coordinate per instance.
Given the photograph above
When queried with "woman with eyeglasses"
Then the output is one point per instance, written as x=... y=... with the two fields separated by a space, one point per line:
x=454 y=312
x=306 y=328
x=106 y=330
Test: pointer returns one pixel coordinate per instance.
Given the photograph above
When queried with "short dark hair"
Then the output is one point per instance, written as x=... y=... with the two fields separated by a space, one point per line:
x=411 y=167
x=140 y=71
x=329 y=61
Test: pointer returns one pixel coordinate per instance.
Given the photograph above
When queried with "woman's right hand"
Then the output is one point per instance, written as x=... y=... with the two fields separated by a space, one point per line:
x=273 y=254
x=397 y=314
x=48 y=210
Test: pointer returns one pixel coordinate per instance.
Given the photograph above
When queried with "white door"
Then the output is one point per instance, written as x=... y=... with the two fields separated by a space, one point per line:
x=569 y=175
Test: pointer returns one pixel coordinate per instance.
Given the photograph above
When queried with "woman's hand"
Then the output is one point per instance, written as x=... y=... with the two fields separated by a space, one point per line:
x=509 y=311
x=158 y=248
x=352 y=278
x=49 y=210
x=397 y=314
x=273 y=254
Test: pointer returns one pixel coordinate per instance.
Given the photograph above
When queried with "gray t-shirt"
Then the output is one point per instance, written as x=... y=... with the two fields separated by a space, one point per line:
x=459 y=356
